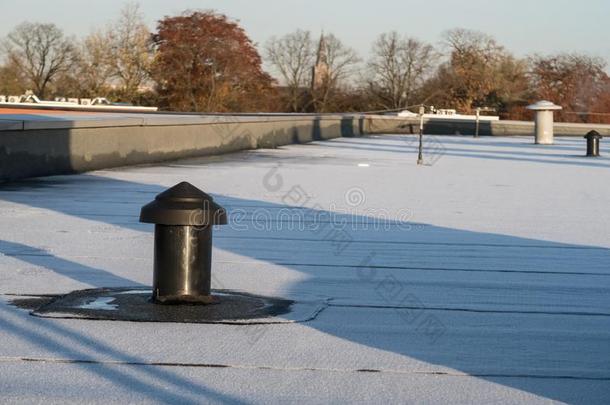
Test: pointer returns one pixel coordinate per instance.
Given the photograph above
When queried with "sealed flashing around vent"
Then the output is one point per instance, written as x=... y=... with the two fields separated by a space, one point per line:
x=134 y=304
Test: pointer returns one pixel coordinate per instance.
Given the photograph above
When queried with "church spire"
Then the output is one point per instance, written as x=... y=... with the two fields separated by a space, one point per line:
x=322 y=56
x=321 y=70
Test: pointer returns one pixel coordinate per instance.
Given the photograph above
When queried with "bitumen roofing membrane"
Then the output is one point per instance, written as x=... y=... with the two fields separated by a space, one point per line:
x=136 y=305
x=481 y=276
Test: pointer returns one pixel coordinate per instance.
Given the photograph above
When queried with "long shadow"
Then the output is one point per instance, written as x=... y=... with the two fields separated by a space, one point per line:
x=67 y=343
x=576 y=145
x=367 y=264
x=526 y=144
x=519 y=156
x=67 y=268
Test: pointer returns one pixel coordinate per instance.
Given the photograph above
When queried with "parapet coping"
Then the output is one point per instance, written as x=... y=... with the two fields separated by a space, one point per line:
x=26 y=122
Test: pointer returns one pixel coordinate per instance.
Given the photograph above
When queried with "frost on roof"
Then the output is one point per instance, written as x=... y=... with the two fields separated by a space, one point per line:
x=482 y=276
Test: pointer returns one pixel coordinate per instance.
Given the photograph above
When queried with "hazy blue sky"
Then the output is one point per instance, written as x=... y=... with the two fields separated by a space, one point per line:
x=523 y=26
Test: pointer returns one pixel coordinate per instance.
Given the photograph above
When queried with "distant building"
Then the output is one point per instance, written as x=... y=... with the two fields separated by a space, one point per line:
x=321 y=70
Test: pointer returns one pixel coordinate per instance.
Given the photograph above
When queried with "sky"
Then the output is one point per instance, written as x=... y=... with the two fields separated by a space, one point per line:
x=522 y=26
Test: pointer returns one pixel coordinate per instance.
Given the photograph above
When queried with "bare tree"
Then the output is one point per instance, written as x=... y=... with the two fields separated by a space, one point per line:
x=95 y=65
x=463 y=42
x=340 y=60
x=292 y=56
x=398 y=67
x=478 y=72
x=130 y=51
x=40 y=52
x=473 y=58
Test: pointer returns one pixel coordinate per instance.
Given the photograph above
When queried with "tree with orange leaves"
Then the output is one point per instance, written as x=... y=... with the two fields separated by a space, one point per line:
x=206 y=62
x=577 y=82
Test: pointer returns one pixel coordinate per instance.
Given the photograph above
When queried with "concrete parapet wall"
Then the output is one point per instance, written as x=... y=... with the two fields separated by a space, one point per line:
x=60 y=148
x=40 y=146
x=440 y=126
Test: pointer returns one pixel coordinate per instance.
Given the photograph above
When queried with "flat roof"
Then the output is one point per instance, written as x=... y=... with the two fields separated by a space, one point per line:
x=482 y=276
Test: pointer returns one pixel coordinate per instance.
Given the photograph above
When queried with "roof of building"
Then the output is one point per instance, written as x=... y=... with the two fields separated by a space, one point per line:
x=481 y=276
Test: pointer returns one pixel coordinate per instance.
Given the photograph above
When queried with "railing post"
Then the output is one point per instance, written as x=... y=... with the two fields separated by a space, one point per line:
x=476 y=125
x=420 y=157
